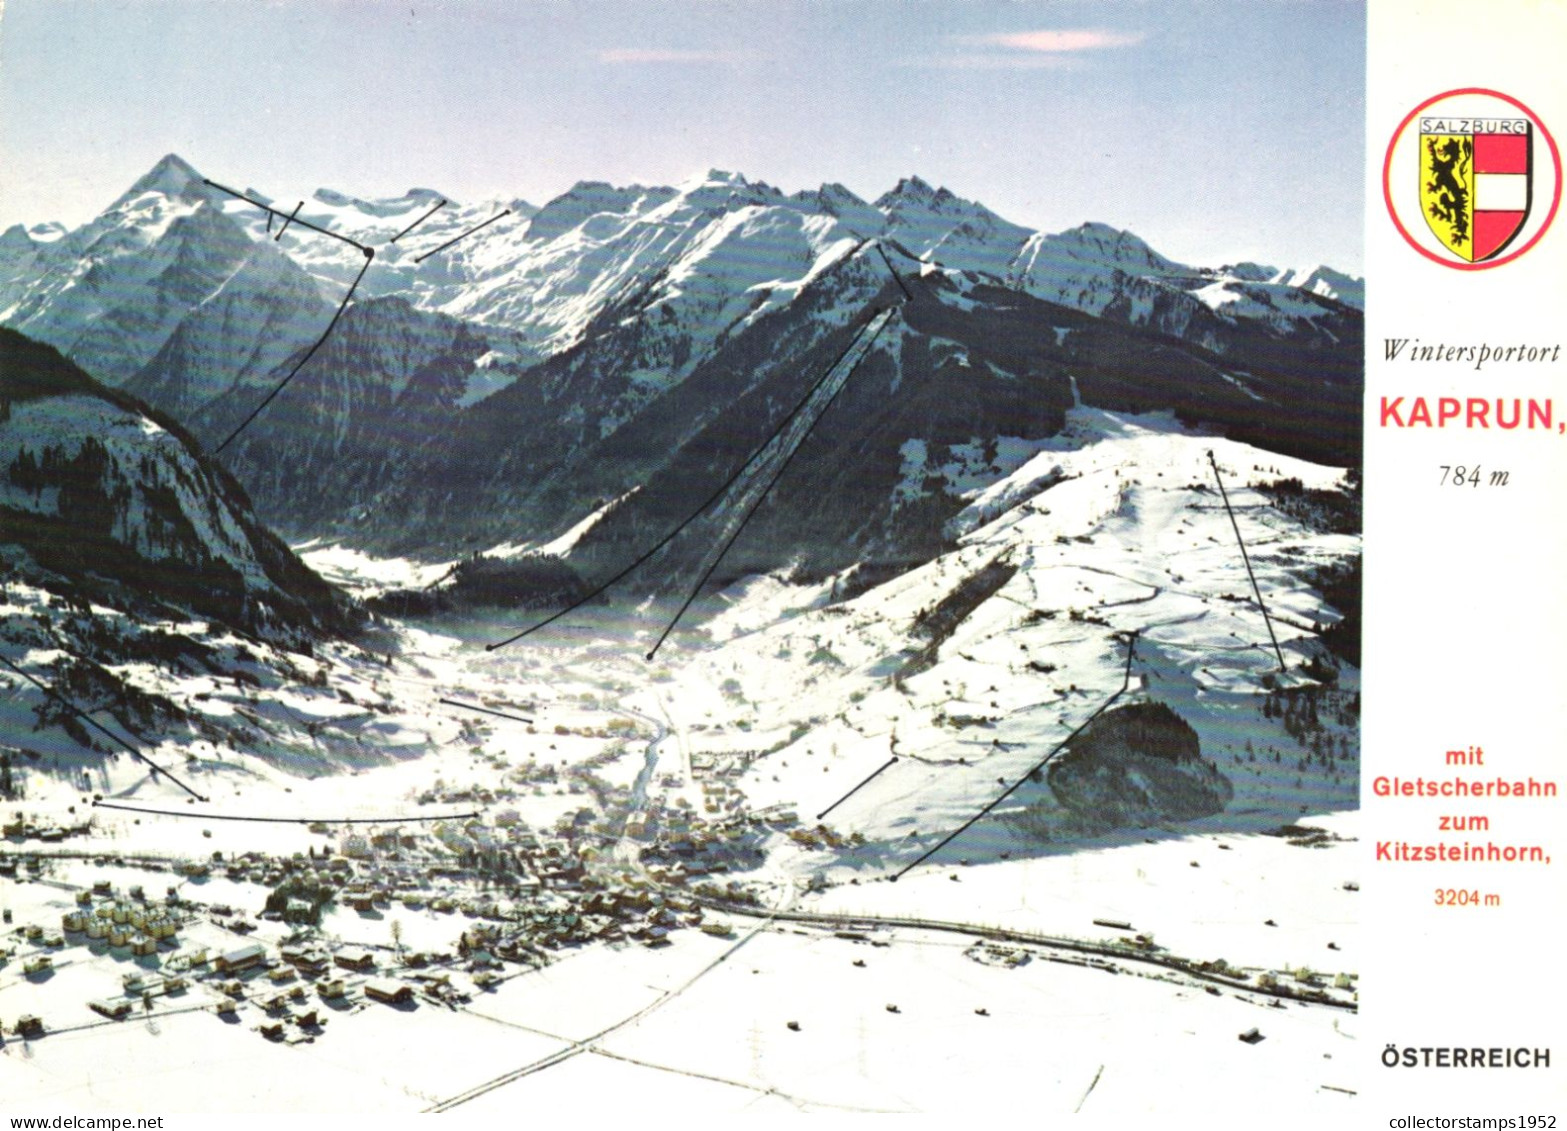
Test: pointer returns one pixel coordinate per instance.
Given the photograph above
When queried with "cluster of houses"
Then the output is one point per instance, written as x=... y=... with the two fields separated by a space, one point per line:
x=470 y=795
x=720 y=796
x=251 y=972
x=140 y=926
x=284 y=982
x=257 y=868
x=429 y=869
x=139 y=986
x=602 y=907
x=822 y=837
x=529 y=892
x=539 y=893
x=128 y=920
x=275 y=980
x=700 y=847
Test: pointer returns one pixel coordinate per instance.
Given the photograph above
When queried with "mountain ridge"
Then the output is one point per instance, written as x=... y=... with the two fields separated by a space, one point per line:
x=500 y=375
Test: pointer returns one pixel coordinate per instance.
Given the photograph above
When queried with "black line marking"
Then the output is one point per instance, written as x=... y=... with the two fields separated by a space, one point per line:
x=886 y=316
x=369 y=255
x=1241 y=542
x=274 y=212
x=394 y=820
x=857 y=788
x=419 y=221
x=96 y=725
x=1092 y=1084
x=486 y=710
x=692 y=517
x=897 y=278
x=1126 y=682
x=286 y=222
x=454 y=239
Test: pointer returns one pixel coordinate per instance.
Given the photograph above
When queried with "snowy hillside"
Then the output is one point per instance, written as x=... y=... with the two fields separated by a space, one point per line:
x=93 y=484
x=1114 y=530
x=125 y=550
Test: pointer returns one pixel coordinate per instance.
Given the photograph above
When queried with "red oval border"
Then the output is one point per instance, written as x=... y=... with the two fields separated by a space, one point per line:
x=1387 y=191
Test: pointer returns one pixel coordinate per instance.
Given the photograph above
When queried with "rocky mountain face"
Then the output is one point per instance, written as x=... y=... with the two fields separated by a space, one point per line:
x=619 y=353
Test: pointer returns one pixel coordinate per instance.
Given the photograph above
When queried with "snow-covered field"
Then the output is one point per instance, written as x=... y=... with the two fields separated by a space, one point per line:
x=792 y=1018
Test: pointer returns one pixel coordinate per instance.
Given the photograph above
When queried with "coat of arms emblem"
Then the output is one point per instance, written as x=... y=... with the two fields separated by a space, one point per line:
x=1472 y=178
x=1475 y=176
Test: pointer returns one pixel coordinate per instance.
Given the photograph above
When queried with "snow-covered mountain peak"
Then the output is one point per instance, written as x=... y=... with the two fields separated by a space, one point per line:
x=1109 y=244
x=840 y=203
x=938 y=225
x=1099 y=268
x=1249 y=272
x=1326 y=282
x=911 y=188
x=110 y=293
x=23 y=237
x=396 y=206
x=714 y=176
x=589 y=198
x=143 y=213
x=912 y=196
x=719 y=191
x=832 y=197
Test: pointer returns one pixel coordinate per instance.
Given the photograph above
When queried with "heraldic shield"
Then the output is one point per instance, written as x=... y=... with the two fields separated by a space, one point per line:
x=1475 y=182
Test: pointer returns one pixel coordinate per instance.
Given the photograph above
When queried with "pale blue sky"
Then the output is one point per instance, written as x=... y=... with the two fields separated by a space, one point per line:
x=1217 y=131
